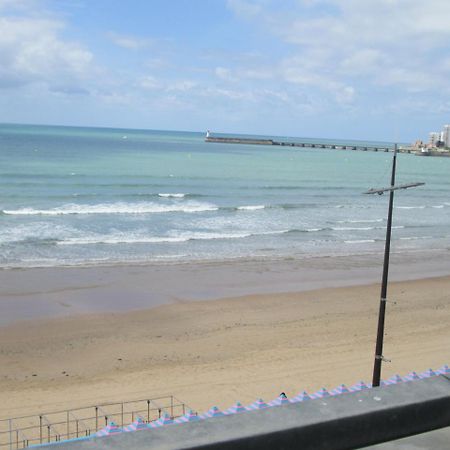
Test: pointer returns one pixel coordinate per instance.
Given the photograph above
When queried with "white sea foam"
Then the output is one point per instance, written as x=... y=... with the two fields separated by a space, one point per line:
x=263 y=233
x=410 y=207
x=251 y=207
x=360 y=241
x=149 y=239
x=437 y=206
x=35 y=232
x=169 y=195
x=120 y=240
x=142 y=239
x=115 y=208
x=352 y=228
x=361 y=221
x=364 y=228
x=415 y=238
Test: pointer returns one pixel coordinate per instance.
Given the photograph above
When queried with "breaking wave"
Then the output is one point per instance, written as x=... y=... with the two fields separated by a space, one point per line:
x=169 y=195
x=360 y=221
x=115 y=208
x=360 y=241
x=124 y=239
x=251 y=207
x=363 y=228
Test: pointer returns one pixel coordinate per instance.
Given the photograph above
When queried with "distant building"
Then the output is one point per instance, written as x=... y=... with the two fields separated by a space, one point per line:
x=435 y=137
x=445 y=138
x=439 y=139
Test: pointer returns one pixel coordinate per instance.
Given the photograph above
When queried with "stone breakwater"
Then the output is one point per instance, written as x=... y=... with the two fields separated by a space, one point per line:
x=239 y=140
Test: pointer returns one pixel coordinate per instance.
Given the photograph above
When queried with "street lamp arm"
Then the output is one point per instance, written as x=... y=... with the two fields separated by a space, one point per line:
x=393 y=188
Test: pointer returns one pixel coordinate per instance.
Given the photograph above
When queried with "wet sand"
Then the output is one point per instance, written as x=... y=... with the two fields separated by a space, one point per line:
x=112 y=334
x=66 y=291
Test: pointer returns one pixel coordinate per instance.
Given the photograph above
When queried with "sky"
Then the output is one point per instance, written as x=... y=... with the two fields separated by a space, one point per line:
x=356 y=69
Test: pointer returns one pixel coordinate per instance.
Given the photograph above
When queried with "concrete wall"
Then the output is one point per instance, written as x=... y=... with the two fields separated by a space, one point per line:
x=342 y=422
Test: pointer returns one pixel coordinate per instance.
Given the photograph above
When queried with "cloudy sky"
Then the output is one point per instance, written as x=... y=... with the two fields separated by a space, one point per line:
x=364 y=69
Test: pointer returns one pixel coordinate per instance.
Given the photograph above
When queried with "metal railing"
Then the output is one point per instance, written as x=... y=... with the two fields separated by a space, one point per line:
x=22 y=432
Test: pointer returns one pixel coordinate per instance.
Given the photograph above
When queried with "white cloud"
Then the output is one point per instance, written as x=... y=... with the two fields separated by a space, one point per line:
x=338 y=44
x=182 y=85
x=345 y=94
x=245 y=7
x=149 y=83
x=224 y=73
x=16 y=5
x=364 y=61
x=31 y=50
x=130 y=42
x=231 y=94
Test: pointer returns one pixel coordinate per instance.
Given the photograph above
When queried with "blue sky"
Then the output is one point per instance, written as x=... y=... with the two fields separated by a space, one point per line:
x=363 y=69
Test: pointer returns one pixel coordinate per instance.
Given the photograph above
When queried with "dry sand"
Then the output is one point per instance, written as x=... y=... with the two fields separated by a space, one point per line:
x=218 y=352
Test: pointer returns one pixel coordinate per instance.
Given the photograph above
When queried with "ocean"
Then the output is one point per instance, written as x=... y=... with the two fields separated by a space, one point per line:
x=83 y=196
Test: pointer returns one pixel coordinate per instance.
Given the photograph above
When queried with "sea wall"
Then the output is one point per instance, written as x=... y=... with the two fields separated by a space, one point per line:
x=345 y=421
x=236 y=140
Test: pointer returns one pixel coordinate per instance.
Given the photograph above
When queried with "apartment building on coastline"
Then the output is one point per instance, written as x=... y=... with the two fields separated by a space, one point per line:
x=440 y=138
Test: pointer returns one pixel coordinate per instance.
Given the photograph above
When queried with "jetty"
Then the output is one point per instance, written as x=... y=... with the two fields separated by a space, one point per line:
x=256 y=141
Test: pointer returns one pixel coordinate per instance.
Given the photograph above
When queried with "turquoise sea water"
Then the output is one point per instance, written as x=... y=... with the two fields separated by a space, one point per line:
x=95 y=196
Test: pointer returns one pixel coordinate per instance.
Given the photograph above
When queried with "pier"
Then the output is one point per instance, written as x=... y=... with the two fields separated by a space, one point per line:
x=255 y=141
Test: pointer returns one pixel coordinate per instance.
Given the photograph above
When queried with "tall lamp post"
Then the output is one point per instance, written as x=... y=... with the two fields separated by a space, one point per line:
x=382 y=311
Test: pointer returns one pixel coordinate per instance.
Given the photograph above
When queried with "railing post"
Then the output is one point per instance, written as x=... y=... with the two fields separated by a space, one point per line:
x=17 y=439
x=10 y=435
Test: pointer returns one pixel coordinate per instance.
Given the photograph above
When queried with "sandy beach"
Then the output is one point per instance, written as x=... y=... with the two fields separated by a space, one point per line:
x=283 y=326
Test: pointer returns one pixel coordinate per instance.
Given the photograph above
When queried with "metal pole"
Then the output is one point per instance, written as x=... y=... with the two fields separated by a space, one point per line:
x=384 y=281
